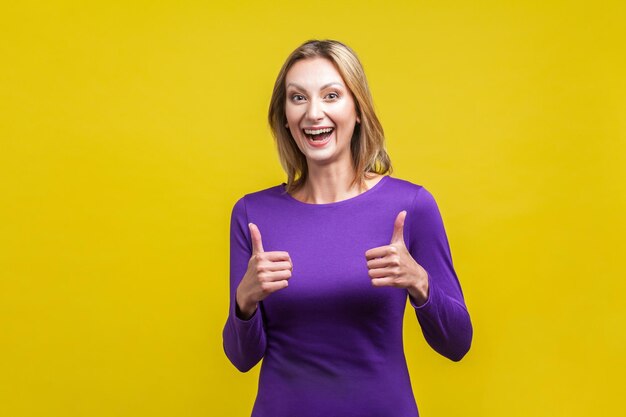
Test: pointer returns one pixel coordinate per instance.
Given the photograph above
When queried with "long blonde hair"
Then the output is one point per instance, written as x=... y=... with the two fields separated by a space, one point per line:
x=368 y=140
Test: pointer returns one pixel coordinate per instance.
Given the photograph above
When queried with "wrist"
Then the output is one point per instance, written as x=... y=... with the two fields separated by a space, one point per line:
x=244 y=309
x=419 y=291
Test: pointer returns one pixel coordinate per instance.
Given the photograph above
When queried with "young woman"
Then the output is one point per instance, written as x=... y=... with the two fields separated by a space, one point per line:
x=321 y=266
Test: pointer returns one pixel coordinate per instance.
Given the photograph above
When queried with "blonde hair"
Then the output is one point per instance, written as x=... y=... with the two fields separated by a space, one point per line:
x=368 y=140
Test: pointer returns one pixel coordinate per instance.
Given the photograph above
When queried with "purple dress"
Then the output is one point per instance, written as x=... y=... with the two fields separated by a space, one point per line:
x=331 y=343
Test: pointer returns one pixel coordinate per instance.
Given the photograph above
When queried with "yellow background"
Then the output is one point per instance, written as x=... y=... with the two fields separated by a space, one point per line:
x=128 y=131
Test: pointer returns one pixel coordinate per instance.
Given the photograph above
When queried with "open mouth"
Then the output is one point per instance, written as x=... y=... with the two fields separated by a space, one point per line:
x=318 y=135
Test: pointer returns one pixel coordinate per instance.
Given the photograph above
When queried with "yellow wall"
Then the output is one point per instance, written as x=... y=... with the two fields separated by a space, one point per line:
x=128 y=132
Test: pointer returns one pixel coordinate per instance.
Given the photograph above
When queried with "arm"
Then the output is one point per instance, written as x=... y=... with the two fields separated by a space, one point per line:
x=443 y=317
x=243 y=339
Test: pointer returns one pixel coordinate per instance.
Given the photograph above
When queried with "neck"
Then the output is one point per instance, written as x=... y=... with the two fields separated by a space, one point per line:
x=328 y=184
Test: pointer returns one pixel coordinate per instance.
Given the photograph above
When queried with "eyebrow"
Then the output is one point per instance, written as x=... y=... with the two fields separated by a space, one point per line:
x=323 y=87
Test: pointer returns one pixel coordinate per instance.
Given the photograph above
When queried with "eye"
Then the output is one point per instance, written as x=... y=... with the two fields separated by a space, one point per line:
x=332 y=96
x=297 y=97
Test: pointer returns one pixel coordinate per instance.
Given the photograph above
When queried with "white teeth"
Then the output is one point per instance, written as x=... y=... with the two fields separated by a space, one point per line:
x=317 y=131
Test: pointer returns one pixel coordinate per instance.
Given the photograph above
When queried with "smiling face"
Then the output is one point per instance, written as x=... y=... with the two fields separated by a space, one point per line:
x=320 y=111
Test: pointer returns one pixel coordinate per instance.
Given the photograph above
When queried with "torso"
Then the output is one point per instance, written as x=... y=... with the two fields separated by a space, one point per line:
x=334 y=341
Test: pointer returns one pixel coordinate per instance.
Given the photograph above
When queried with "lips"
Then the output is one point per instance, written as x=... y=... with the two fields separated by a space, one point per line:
x=318 y=137
x=318 y=134
x=317 y=131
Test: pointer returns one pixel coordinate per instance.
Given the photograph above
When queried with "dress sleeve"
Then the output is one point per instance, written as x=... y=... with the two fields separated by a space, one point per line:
x=244 y=340
x=444 y=318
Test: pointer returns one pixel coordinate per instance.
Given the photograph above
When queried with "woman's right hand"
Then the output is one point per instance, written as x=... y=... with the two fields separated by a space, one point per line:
x=267 y=273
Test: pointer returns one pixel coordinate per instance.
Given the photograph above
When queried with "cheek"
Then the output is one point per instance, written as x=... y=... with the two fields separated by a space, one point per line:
x=347 y=113
x=291 y=113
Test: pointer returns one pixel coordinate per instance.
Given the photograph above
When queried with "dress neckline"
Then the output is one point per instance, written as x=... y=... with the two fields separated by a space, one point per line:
x=356 y=198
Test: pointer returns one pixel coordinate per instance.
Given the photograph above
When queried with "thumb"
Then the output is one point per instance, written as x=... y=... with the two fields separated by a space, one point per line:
x=398 y=228
x=255 y=235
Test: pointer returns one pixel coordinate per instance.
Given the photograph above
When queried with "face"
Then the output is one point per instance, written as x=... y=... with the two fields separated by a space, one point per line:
x=320 y=111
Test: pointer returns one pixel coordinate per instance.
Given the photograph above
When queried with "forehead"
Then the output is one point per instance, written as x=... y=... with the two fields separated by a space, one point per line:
x=313 y=72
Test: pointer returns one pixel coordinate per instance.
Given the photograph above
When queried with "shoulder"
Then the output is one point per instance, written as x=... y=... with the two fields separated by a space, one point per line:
x=416 y=192
x=266 y=197
x=248 y=207
x=418 y=200
x=262 y=194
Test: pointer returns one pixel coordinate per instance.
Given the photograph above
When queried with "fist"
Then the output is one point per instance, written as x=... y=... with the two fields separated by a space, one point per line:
x=267 y=273
x=393 y=266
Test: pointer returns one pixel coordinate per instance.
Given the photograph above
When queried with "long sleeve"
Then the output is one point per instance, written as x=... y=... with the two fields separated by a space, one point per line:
x=244 y=340
x=444 y=318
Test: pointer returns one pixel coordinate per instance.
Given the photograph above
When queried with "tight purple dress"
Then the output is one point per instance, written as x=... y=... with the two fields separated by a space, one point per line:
x=331 y=343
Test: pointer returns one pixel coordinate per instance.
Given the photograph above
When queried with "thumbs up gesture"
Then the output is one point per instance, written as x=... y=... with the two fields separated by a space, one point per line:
x=393 y=266
x=267 y=273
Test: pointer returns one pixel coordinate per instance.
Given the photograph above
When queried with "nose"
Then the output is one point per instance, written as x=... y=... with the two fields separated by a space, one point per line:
x=314 y=110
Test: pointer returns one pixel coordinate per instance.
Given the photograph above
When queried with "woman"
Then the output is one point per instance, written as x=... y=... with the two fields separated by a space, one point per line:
x=321 y=266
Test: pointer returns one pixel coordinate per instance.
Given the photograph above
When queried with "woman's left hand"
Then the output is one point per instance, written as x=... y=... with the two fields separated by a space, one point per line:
x=393 y=266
